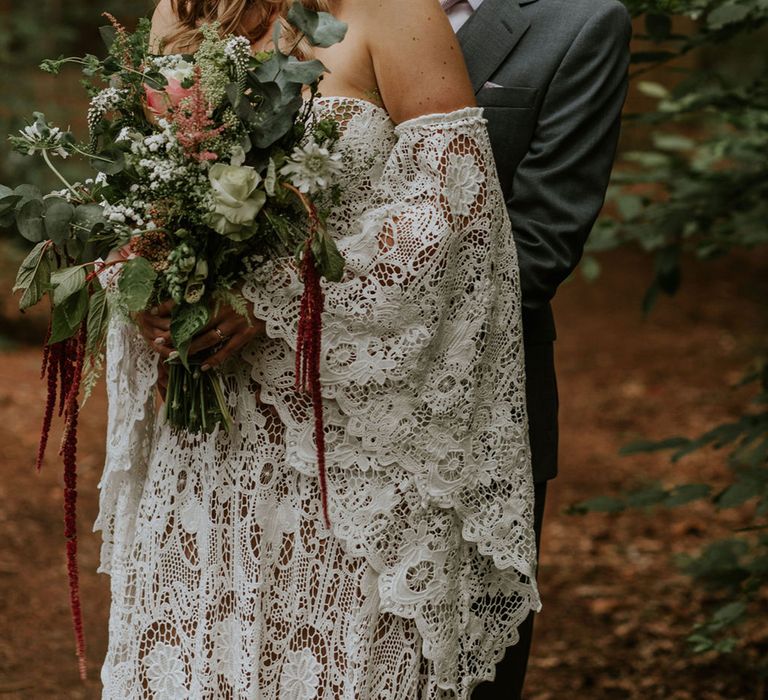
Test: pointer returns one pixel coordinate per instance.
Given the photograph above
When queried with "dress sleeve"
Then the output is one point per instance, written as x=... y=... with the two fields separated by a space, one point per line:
x=131 y=377
x=422 y=340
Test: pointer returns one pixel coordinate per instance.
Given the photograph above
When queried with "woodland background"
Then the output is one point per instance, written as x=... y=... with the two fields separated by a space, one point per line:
x=655 y=548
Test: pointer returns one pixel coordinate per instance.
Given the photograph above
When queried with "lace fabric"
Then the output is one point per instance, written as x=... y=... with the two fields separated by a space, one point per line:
x=225 y=582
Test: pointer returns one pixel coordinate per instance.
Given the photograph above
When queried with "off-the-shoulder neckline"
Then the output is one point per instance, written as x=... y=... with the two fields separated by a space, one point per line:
x=421 y=120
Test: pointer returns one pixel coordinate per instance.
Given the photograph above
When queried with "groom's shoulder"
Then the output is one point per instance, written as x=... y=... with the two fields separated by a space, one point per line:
x=563 y=20
x=579 y=11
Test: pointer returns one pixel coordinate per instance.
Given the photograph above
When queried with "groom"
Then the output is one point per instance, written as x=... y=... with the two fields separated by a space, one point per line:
x=552 y=77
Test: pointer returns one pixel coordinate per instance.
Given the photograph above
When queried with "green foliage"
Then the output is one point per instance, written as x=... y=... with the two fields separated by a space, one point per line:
x=136 y=283
x=701 y=189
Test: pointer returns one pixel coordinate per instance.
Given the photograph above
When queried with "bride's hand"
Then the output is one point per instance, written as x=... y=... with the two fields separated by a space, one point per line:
x=155 y=327
x=227 y=329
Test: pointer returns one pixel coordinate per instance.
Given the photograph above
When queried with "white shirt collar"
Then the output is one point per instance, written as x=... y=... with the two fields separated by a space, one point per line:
x=475 y=3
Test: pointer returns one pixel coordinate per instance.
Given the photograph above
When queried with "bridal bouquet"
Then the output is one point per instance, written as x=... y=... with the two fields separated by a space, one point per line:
x=207 y=167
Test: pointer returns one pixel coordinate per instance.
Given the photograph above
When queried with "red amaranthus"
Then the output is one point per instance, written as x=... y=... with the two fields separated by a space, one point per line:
x=194 y=124
x=63 y=369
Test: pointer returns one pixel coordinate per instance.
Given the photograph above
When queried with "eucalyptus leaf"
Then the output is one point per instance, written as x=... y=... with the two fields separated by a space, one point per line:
x=108 y=35
x=8 y=202
x=58 y=215
x=66 y=282
x=86 y=218
x=321 y=28
x=110 y=161
x=29 y=221
x=136 y=283
x=27 y=192
x=302 y=72
x=34 y=276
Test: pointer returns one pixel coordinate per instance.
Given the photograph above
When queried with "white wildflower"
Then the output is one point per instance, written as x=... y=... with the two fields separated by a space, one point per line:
x=312 y=167
x=237 y=48
x=39 y=137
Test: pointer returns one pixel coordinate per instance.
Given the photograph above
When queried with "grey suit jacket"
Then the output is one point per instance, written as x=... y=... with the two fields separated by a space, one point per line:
x=554 y=125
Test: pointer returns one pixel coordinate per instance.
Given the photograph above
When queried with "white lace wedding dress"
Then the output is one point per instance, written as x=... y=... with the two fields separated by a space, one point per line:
x=225 y=582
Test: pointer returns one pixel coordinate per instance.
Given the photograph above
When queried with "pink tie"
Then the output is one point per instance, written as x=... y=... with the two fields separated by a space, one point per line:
x=448 y=4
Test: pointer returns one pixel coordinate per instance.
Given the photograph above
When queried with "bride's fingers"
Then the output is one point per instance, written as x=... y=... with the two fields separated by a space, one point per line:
x=213 y=337
x=162 y=310
x=230 y=348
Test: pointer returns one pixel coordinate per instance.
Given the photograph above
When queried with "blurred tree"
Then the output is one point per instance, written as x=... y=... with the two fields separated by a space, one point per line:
x=700 y=189
x=30 y=32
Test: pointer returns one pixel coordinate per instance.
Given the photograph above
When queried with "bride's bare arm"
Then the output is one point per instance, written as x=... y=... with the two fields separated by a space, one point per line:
x=416 y=57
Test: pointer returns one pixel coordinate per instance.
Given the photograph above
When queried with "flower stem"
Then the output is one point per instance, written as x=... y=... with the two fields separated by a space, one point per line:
x=47 y=159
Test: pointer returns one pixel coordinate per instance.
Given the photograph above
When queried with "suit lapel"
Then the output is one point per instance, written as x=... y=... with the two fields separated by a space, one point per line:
x=489 y=36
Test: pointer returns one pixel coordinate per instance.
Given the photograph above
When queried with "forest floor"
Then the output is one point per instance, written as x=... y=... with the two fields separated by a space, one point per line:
x=616 y=609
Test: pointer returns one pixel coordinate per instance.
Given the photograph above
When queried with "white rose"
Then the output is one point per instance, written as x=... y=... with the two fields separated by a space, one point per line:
x=237 y=200
x=182 y=70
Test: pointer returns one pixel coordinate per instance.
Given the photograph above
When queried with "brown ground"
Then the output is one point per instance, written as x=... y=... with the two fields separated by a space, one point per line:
x=615 y=609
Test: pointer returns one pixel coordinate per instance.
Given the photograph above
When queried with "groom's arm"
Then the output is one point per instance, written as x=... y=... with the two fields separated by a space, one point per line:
x=559 y=186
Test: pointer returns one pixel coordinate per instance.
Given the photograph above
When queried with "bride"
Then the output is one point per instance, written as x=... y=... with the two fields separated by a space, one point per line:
x=225 y=581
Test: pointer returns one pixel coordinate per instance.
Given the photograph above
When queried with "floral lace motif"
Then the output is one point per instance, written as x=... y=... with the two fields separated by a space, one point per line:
x=218 y=555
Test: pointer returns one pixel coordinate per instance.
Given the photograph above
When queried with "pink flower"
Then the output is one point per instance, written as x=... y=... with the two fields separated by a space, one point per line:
x=160 y=101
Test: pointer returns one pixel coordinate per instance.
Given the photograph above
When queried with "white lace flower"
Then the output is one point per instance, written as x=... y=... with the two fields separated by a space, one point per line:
x=227 y=646
x=312 y=168
x=418 y=575
x=301 y=675
x=165 y=672
x=463 y=178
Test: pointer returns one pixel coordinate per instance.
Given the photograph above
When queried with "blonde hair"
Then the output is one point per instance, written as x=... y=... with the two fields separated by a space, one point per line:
x=249 y=18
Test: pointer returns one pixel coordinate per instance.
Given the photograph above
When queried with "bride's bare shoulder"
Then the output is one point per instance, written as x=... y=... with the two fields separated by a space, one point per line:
x=417 y=59
x=164 y=22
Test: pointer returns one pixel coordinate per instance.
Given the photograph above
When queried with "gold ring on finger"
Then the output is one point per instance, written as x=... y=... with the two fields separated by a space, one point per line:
x=222 y=338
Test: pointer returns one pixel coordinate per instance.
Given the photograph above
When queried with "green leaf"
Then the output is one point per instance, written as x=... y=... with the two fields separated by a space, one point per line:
x=601 y=504
x=643 y=498
x=186 y=322
x=110 y=161
x=98 y=318
x=108 y=35
x=66 y=282
x=590 y=268
x=29 y=221
x=34 y=276
x=8 y=202
x=136 y=283
x=27 y=192
x=330 y=262
x=68 y=316
x=736 y=494
x=321 y=28
x=640 y=446
x=680 y=495
x=302 y=72
x=58 y=216
x=87 y=217
x=727 y=14
x=728 y=615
